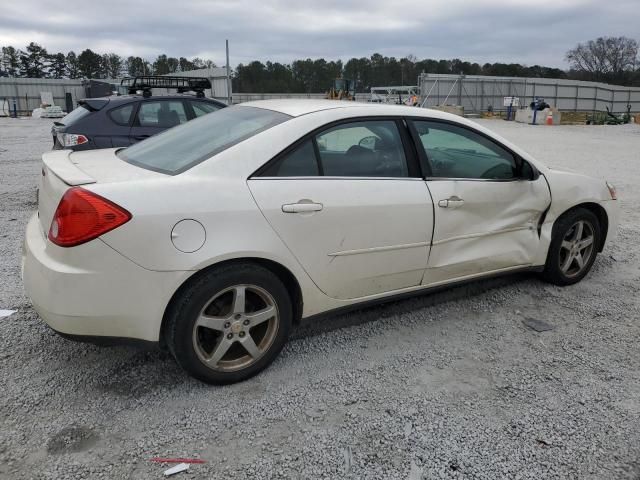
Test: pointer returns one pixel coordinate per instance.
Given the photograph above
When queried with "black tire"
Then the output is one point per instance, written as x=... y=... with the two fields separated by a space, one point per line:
x=193 y=300
x=553 y=272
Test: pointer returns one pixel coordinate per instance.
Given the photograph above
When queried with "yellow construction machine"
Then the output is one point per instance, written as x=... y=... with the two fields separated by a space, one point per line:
x=342 y=89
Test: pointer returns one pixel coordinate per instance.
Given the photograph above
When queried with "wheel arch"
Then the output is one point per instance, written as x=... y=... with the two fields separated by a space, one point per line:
x=283 y=273
x=598 y=211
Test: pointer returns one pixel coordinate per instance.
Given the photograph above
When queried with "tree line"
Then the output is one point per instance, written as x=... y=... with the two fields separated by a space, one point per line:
x=607 y=59
x=313 y=76
x=36 y=62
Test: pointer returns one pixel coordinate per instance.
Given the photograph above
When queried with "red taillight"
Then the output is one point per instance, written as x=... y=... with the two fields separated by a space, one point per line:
x=79 y=140
x=71 y=139
x=82 y=216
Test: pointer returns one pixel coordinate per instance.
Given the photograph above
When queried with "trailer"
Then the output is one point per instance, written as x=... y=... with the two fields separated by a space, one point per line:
x=396 y=95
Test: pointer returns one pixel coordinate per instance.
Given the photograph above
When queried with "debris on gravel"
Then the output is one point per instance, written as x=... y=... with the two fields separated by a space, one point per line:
x=537 y=325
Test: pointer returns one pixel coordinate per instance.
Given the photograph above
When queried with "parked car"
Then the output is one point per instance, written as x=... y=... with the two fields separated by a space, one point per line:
x=214 y=245
x=120 y=121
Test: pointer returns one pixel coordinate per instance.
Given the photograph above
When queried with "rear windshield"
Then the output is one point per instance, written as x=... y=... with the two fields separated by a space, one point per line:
x=180 y=148
x=75 y=115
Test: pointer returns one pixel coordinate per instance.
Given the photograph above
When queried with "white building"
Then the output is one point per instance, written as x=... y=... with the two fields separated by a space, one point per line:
x=216 y=75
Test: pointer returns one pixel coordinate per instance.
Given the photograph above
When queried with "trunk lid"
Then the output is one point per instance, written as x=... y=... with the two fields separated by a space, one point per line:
x=63 y=169
x=58 y=175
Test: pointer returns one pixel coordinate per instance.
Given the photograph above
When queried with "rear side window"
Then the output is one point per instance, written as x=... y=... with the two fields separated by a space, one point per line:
x=178 y=149
x=122 y=115
x=370 y=148
x=363 y=149
x=202 y=108
x=301 y=162
x=75 y=115
x=162 y=114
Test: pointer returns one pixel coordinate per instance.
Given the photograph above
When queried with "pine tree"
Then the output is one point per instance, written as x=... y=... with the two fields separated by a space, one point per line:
x=58 y=66
x=72 y=65
x=34 y=62
x=90 y=64
x=10 y=62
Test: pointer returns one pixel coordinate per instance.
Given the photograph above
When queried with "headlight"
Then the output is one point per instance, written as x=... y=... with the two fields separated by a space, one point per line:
x=612 y=191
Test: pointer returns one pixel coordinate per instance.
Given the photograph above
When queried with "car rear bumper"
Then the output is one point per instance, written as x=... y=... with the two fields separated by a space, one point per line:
x=91 y=290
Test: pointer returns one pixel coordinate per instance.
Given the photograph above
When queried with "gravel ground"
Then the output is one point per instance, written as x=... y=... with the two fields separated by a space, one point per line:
x=451 y=385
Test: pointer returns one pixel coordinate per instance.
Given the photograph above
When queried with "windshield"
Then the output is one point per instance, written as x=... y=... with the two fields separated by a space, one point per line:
x=180 y=148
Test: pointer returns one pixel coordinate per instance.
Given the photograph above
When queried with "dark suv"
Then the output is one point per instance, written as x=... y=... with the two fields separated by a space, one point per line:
x=120 y=121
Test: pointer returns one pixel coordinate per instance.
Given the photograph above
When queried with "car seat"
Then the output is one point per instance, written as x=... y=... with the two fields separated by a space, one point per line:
x=167 y=118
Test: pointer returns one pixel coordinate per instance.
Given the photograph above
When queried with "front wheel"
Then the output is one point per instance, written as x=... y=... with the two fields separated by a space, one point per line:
x=230 y=323
x=573 y=248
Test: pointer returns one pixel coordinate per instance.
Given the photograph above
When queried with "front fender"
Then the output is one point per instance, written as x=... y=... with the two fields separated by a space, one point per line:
x=570 y=190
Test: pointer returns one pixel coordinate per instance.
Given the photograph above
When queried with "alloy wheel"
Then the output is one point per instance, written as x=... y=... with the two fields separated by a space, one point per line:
x=236 y=327
x=576 y=248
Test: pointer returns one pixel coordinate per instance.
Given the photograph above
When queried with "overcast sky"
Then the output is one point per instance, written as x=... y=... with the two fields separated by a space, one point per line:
x=522 y=31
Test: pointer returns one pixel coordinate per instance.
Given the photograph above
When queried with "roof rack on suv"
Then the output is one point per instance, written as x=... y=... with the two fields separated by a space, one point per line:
x=182 y=84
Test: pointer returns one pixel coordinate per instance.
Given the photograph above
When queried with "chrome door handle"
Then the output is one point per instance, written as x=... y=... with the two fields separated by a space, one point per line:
x=451 y=202
x=301 y=207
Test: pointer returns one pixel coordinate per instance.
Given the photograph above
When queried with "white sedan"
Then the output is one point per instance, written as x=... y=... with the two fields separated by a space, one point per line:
x=215 y=237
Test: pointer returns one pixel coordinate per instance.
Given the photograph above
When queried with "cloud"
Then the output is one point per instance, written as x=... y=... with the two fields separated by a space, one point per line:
x=519 y=31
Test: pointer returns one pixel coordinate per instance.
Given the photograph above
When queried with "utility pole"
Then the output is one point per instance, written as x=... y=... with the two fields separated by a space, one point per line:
x=228 y=77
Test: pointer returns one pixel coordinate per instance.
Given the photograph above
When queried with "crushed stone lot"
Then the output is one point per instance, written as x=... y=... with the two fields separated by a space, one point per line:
x=448 y=385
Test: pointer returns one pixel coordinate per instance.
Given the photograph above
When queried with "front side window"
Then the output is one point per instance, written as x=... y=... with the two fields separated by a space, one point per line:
x=301 y=162
x=362 y=149
x=178 y=149
x=162 y=114
x=457 y=152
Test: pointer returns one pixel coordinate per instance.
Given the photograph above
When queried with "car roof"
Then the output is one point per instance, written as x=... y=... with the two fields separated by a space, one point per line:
x=296 y=106
x=299 y=107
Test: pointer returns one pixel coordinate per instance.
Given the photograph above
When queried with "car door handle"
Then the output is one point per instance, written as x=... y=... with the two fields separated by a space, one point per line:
x=141 y=137
x=301 y=207
x=451 y=202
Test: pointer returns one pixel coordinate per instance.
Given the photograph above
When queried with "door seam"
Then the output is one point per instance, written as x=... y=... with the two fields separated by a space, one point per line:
x=282 y=240
x=433 y=231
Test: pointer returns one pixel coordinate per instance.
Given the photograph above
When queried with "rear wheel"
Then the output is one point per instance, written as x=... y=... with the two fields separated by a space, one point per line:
x=573 y=248
x=230 y=323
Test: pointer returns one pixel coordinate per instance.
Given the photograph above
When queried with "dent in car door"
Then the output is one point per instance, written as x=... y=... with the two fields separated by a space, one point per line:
x=495 y=227
x=487 y=218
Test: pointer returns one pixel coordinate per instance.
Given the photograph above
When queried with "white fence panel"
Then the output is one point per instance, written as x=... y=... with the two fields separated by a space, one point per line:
x=476 y=93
